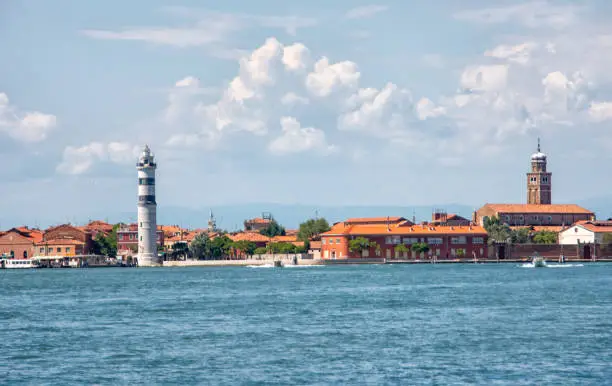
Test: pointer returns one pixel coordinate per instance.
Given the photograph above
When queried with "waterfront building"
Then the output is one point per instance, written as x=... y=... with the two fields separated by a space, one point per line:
x=258 y=223
x=386 y=234
x=440 y=217
x=586 y=232
x=19 y=242
x=64 y=241
x=127 y=239
x=97 y=226
x=539 y=211
x=147 y=210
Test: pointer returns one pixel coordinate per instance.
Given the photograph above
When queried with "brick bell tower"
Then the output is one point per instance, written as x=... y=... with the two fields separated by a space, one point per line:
x=539 y=189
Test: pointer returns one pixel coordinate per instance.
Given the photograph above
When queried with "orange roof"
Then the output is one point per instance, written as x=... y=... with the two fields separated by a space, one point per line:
x=259 y=220
x=374 y=220
x=401 y=229
x=315 y=245
x=284 y=239
x=536 y=208
x=596 y=226
x=61 y=242
x=249 y=236
x=291 y=232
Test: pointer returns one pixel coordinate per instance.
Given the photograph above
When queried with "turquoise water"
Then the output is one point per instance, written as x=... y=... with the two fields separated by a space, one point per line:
x=349 y=325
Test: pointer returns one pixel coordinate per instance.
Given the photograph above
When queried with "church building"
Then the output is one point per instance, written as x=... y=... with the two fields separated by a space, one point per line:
x=539 y=212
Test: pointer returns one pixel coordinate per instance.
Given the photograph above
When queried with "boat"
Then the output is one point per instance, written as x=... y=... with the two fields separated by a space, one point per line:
x=538 y=262
x=17 y=263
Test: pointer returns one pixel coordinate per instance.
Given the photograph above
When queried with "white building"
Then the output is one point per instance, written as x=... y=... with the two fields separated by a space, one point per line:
x=147 y=210
x=585 y=232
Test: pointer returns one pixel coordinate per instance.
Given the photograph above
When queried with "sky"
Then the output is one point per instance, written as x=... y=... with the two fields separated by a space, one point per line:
x=318 y=102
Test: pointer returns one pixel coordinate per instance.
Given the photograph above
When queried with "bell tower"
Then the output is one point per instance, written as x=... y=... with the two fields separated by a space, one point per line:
x=539 y=180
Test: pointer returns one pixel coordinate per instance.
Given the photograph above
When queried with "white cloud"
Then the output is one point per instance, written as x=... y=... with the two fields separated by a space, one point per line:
x=485 y=78
x=297 y=139
x=425 y=109
x=519 y=53
x=534 y=14
x=365 y=11
x=292 y=98
x=380 y=112
x=600 y=111
x=24 y=126
x=327 y=77
x=295 y=57
x=79 y=160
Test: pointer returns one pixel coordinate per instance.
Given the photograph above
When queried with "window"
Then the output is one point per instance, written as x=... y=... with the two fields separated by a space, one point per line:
x=331 y=241
x=393 y=240
x=410 y=240
x=67 y=249
x=147 y=199
x=41 y=250
x=323 y=241
x=131 y=237
x=458 y=240
x=337 y=241
x=146 y=181
x=25 y=254
x=477 y=240
x=434 y=241
x=141 y=224
x=545 y=180
x=140 y=237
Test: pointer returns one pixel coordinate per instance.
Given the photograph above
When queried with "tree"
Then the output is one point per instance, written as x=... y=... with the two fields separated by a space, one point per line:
x=607 y=239
x=545 y=237
x=106 y=245
x=273 y=229
x=359 y=244
x=244 y=246
x=179 y=249
x=311 y=229
x=261 y=251
x=281 y=248
x=520 y=236
x=200 y=247
x=401 y=249
x=420 y=248
x=497 y=231
x=220 y=247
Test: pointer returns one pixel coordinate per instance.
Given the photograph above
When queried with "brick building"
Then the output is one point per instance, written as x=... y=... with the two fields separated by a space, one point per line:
x=258 y=223
x=64 y=240
x=19 y=242
x=539 y=212
x=444 y=242
x=127 y=239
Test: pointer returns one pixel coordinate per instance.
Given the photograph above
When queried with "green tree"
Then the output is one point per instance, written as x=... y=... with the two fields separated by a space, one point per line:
x=273 y=229
x=520 y=236
x=244 y=246
x=497 y=231
x=401 y=249
x=359 y=244
x=106 y=245
x=261 y=251
x=179 y=249
x=311 y=229
x=545 y=237
x=607 y=239
x=420 y=248
x=220 y=247
x=200 y=247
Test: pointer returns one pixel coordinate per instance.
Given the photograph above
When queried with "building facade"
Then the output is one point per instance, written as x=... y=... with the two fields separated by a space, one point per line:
x=64 y=240
x=525 y=215
x=591 y=232
x=19 y=243
x=147 y=210
x=127 y=239
x=386 y=235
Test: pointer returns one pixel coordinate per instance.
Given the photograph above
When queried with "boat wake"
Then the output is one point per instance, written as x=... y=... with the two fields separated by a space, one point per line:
x=532 y=265
x=261 y=266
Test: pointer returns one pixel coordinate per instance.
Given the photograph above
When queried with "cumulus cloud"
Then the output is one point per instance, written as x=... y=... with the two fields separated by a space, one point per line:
x=600 y=111
x=24 y=126
x=485 y=78
x=520 y=53
x=79 y=160
x=292 y=98
x=327 y=77
x=295 y=57
x=425 y=109
x=298 y=139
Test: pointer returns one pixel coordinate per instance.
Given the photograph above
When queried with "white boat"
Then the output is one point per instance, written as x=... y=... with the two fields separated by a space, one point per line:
x=17 y=263
x=538 y=262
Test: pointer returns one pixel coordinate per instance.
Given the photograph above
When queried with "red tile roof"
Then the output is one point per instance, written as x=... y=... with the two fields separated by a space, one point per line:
x=536 y=208
x=374 y=220
x=596 y=226
x=404 y=228
x=249 y=236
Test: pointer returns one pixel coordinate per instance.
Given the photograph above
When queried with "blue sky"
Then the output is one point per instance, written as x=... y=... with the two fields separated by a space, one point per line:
x=326 y=103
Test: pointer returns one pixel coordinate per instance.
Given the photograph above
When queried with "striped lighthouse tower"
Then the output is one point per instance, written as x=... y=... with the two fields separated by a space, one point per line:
x=147 y=210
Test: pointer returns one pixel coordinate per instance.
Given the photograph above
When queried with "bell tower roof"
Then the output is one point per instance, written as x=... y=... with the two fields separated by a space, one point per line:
x=538 y=156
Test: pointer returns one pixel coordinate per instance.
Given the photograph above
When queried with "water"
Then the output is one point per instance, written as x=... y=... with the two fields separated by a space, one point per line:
x=394 y=324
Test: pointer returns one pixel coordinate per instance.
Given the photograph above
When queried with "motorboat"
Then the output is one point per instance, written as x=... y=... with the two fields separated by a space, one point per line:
x=538 y=262
x=17 y=263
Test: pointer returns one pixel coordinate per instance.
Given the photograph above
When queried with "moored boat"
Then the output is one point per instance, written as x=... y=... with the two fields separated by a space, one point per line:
x=17 y=263
x=538 y=262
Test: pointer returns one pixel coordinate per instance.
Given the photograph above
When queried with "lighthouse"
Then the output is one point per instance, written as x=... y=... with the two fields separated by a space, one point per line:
x=147 y=210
